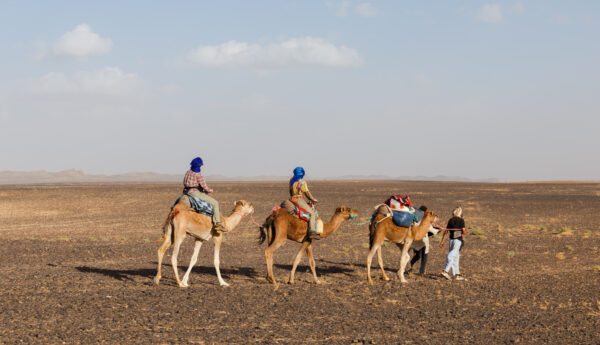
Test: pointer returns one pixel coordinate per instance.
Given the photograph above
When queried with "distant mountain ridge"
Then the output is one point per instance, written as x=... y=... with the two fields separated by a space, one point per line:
x=78 y=176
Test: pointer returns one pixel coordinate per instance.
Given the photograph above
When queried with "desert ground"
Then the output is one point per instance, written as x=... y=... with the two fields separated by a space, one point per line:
x=78 y=263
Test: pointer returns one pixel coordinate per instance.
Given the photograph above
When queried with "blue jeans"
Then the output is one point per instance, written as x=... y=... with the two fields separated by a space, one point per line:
x=453 y=257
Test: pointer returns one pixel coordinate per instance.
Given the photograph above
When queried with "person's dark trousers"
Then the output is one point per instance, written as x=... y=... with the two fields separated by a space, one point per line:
x=420 y=254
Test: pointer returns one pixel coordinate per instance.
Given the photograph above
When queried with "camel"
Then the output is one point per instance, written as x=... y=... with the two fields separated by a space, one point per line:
x=181 y=221
x=281 y=226
x=382 y=228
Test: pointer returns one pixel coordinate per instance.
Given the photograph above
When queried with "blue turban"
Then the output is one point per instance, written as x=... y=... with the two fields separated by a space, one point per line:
x=298 y=175
x=196 y=164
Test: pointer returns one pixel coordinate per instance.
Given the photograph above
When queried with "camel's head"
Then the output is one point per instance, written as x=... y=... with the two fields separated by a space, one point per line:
x=244 y=207
x=433 y=221
x=347 y=212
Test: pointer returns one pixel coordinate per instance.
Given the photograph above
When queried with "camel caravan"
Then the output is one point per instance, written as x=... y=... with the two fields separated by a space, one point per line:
x=194 y=213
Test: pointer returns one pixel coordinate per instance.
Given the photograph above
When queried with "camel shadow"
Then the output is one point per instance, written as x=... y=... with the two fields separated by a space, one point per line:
x=320 y=269
x=118 y=274
x=151 y=272
x=391 y=270
x=248 y=272
x=374 y=266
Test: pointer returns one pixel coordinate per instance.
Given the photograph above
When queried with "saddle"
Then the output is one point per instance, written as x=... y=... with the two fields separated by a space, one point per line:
x=294 y=209
x=197 y=205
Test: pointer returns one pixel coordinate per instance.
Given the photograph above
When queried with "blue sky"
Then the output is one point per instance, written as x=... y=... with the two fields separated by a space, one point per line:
x=477 y=89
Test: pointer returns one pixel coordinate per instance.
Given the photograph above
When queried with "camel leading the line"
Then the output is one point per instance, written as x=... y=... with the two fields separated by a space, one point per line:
x=282 y=226
x=381 y=229
x=181 y=221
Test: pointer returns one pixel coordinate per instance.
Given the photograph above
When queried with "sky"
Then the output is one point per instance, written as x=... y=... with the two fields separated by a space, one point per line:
x=506 y=89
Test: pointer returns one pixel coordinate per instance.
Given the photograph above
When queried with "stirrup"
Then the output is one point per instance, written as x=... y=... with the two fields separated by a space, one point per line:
x=314 y=236
x=219 y=227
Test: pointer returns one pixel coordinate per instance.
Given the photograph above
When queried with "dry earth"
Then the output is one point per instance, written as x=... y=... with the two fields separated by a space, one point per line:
x=78 y=264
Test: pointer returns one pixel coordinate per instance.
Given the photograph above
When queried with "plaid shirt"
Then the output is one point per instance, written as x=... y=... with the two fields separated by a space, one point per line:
x=194 y=180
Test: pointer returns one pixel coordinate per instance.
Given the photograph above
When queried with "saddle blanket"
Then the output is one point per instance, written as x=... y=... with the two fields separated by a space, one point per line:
x=198 y=205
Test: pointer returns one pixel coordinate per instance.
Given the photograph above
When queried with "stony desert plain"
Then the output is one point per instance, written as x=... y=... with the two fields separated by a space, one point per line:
x=78 y=260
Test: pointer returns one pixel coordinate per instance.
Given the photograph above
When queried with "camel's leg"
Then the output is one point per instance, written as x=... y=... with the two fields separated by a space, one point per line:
x=369 y=260
x=377 y=242
x=311 y=260
x=297 y=260
x=218 y=240
x=277 y=242
x=161 y=253
x=179 y=237
x=193 y=260
x=384 y=277
x=404 y=259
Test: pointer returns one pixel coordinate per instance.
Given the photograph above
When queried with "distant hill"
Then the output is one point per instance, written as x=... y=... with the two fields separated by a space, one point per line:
x=78 y=176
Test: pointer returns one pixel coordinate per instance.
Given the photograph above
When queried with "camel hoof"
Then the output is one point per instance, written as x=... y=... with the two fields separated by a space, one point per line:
x=385 y=279
x=271 y=280
x=291 y=282
x=183 y=286
x=318 y=282
x=156 y=281
x=224 y=284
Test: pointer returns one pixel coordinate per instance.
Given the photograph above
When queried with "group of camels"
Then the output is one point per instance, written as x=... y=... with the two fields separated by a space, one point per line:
x=279 y=227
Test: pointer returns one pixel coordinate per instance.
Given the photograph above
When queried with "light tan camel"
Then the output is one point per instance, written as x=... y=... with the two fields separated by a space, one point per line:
x=181 y=221
x=282 y=226
x=381 y=229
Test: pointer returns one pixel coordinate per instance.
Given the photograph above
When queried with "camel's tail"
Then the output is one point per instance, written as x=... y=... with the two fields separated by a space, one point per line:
x=266 y=230
x=168 y=223
x=373 y=228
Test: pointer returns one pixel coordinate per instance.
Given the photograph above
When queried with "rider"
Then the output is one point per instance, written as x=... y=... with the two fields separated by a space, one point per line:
x=301 y=196
x=194 y=185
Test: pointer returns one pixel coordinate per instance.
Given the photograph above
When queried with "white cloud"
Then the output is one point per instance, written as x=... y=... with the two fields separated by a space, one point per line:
x=340 y=9
x=106 y=81
x=560 y=20
x=518 y=9
x=304 y=51
x=81 y=42
x=365 y=9
x=490 y=13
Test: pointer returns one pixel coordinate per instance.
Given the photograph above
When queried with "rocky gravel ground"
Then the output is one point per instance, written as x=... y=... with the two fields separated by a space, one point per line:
x=78 y=263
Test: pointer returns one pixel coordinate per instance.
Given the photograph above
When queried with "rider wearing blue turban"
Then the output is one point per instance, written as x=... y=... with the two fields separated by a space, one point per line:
x=301 y=196
x=196 y=164
x=194 y=185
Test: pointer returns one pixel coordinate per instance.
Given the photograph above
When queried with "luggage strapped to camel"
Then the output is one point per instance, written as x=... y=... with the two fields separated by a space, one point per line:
x=400 y=209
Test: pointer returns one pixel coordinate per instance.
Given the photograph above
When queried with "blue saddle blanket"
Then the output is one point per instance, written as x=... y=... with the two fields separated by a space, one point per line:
x=198 y=205
x=405 y=219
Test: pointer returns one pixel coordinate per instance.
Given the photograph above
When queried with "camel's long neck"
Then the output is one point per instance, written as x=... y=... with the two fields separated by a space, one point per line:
x=333 y=224
x=420 y=231
x=232 y=221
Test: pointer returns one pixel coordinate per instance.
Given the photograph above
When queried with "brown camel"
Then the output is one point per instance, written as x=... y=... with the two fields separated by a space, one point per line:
x=181 y=221
x=281 y=226
x=382 y=228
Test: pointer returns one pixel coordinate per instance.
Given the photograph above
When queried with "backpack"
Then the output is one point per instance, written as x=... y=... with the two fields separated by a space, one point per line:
x=400 y=203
